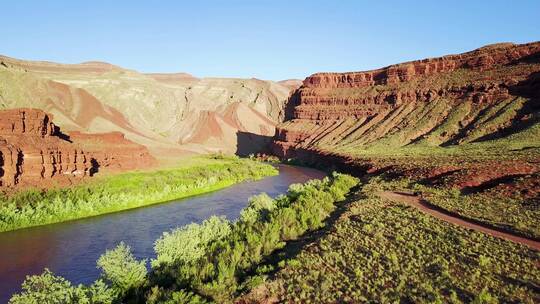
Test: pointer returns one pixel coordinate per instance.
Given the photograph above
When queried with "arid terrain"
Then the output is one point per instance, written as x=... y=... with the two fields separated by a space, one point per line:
x=101 y=112
x=171 y=114
x=443 y=204
x=448 y=150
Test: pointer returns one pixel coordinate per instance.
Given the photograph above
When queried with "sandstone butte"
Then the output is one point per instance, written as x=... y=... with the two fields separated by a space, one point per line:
x=34 y=151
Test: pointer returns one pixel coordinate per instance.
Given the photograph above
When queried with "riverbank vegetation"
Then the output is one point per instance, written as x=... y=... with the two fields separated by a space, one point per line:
x=126 y=191
x=212 y=261
x=385 y=252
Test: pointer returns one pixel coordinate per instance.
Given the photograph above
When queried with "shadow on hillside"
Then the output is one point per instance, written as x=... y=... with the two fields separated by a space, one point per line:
x=1 y=167
x=527 y=116
x=250 y=143
x=57 y=132
x=94 y=166
x=294 y=100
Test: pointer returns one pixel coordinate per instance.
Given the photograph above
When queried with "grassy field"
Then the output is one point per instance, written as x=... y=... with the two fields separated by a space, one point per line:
x=384 y=252
x=495 y=182
x=126 y=191
x=515 y=214
x=508 y=211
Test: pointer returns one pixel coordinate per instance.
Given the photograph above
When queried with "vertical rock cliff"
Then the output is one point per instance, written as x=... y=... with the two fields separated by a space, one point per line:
x=34 y=152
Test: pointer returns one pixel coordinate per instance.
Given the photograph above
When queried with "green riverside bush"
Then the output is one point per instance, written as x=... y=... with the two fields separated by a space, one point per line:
x=211 y=261
x=121 y=270
x=126 y=191
x=47 y=288
x=263 y=227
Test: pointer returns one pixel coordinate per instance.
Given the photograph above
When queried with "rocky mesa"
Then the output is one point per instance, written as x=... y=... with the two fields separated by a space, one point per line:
x=483 y=94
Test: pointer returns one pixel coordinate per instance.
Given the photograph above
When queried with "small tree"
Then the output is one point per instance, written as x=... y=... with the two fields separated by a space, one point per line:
x=121 y=269
x=47 y=288
x=258 y=208
x=184 y=246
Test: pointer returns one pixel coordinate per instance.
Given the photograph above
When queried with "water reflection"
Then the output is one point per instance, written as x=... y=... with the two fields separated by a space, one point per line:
x=71 y=249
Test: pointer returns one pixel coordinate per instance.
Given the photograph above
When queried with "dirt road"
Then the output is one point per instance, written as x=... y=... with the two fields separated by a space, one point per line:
x=417 y=202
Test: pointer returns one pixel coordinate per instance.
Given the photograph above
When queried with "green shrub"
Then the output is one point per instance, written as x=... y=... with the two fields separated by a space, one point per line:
x=125 y=191
x=159 y=296
x=47 y=288
x=184 y=246
x=100 y=293
x=258 y=208
x=121 y=270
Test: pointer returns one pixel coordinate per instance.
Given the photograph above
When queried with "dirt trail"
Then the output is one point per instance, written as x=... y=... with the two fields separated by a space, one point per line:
x=418 y=202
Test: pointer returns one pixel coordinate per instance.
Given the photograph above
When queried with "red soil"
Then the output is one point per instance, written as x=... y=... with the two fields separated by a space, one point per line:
x=207 y=127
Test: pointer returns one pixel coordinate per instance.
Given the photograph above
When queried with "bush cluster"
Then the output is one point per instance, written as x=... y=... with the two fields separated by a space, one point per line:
x=224 y=253
x=126 y=191
x=203 y=262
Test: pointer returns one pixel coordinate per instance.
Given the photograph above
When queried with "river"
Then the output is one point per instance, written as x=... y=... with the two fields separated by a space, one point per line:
x=71 y=249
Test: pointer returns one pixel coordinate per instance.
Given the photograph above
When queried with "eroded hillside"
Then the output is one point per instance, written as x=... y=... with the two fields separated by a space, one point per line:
x=485 y=94
x=465 y=129
x=172 y=114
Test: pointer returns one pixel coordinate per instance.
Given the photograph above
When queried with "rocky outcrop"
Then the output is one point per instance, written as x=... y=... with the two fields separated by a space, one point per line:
x=113 y=151
x=32 y=149
x=438 y=101
x=479 y=60
x=34 y=152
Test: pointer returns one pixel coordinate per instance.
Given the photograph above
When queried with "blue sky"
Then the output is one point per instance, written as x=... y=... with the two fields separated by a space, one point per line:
x=264 y=39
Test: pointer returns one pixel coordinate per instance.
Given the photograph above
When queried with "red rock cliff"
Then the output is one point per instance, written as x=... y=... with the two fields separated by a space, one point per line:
x=113 y=151
x=33 y=151
x=480 y=59
x=411 y=102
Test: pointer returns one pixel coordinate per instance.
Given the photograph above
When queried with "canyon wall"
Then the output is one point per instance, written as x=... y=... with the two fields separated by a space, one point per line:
x=479 y=95
x=34 y=151
x=479 y=60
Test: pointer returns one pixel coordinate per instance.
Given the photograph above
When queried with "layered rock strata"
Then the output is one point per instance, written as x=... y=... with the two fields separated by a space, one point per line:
x=440 y=101
x=34 y=152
